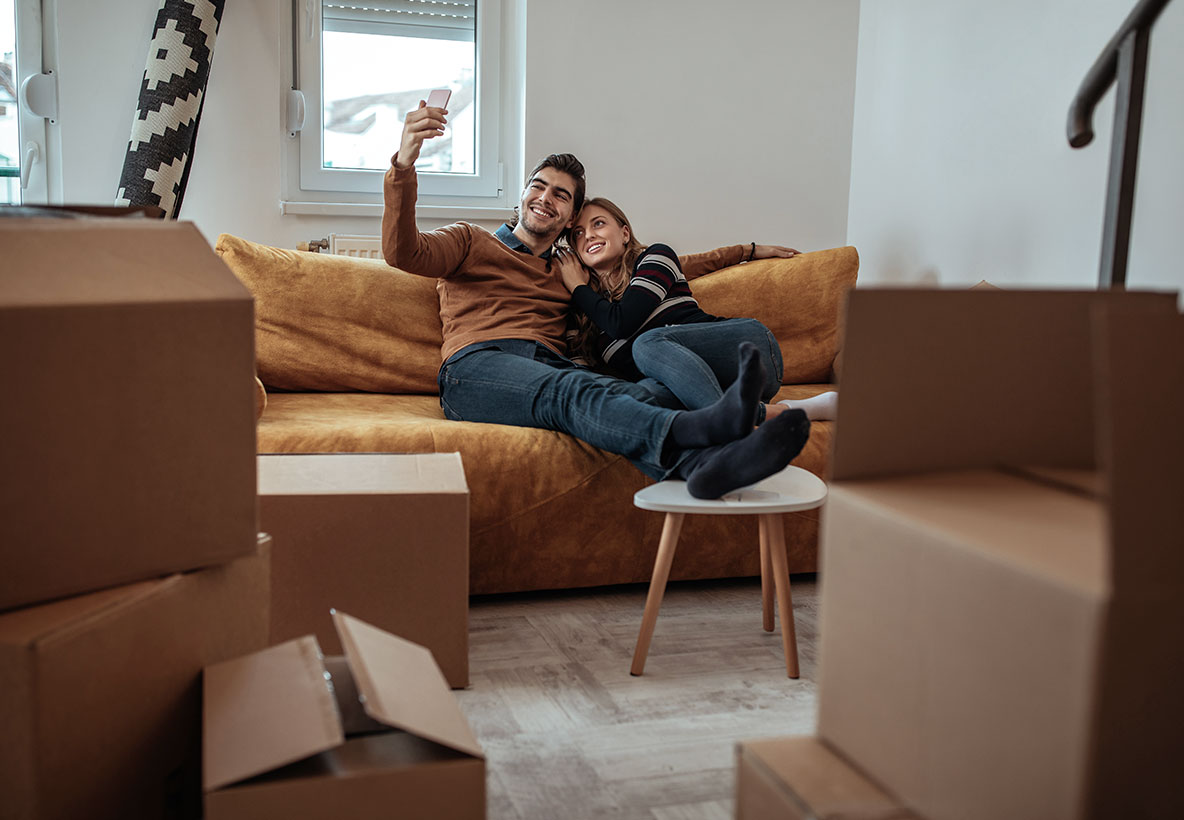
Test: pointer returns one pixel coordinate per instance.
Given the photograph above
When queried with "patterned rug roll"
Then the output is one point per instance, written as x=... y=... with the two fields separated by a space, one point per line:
x=156 y=168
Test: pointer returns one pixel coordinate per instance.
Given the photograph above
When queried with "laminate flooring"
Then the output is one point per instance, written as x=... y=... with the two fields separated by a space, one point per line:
x=569 y=734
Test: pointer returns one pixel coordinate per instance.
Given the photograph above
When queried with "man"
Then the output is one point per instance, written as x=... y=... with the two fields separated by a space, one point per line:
x=504 y=314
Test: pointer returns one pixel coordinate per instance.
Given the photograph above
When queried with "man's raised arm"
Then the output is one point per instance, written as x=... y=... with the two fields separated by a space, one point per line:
x=429 y=254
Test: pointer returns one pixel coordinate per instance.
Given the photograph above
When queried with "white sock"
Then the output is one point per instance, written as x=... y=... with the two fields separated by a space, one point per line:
x=823 y=407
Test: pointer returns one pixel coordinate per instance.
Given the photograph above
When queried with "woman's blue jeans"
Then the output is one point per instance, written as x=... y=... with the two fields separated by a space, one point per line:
x=524 y=383
x=697 y=361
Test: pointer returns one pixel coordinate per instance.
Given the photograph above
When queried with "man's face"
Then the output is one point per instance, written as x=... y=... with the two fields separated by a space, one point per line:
x=548 y=203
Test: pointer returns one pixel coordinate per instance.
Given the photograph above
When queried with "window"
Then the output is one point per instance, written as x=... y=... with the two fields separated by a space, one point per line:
x=23 y=148
x=361 y=65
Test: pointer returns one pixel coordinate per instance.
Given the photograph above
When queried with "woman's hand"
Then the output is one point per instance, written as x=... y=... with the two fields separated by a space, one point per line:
x=570 y=268
x=773 y=251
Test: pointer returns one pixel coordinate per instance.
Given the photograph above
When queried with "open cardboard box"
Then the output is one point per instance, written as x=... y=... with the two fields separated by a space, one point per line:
x=284 y=738
x=384 y=536
x=100 y=694
x=128 y=419
x=1002 y=572
x=802 y=778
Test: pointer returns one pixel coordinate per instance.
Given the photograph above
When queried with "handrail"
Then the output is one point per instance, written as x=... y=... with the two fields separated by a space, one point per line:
x=1104 y=72
x=1123 y=62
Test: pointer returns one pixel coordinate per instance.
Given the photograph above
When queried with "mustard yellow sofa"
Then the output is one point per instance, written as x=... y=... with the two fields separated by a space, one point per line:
x=348 y=350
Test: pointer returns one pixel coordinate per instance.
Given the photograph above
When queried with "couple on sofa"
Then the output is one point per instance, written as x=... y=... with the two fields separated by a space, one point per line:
x=504 y=312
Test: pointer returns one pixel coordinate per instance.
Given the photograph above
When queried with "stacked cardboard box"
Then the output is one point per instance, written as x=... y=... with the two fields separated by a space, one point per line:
x=128 y=517
x=385 y=537
x=1002 y=573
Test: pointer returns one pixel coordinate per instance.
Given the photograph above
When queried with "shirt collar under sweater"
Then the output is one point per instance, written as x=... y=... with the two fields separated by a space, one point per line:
x=506 y=234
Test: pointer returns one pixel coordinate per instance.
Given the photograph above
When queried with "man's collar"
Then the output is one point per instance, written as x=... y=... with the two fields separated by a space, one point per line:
x=508 y=238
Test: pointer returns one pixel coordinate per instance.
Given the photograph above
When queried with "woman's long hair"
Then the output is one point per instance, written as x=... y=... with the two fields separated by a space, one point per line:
x=581 y=344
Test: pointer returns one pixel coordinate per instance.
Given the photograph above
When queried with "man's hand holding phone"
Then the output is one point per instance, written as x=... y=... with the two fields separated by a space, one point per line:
x=425 y=122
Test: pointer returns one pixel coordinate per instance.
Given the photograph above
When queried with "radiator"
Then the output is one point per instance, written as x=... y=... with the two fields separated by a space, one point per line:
x=346 y=244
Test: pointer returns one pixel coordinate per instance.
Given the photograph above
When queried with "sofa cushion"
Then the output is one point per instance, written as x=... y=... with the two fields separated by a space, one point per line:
x=800 y=299
x=325 y=322
x=546 y=511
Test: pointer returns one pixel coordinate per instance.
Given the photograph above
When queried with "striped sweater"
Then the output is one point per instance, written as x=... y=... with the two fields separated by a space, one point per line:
x=658 y=294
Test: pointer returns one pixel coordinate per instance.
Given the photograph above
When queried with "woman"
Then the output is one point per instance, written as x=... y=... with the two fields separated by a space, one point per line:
x=637 y=315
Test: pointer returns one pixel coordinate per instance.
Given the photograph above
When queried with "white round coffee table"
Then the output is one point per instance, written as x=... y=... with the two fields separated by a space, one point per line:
x=791 y=490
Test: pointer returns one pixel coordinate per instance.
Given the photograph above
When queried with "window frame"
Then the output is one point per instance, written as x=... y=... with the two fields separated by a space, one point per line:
x=30 y=60
x=352 y=191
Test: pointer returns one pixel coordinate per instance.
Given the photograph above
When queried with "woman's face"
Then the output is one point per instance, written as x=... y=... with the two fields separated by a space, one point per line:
x=598 y=238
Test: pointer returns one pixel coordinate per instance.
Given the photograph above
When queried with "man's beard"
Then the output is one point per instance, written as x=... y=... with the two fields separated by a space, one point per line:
x=533 y=230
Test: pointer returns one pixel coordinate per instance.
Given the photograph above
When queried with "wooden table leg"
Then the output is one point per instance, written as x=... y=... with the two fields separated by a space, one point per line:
x=766 y=577
x=670 y=530
x=774 y=534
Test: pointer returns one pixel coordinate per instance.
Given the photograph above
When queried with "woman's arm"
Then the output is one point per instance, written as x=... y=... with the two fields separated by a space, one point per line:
x=657 y=271
x=701 y=264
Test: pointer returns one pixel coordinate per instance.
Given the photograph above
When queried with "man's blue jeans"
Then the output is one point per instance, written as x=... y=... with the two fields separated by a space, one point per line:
x=697 y=361
x=524 y=383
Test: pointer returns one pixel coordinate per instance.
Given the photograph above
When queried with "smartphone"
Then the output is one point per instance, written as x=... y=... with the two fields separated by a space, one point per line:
x=438 y=98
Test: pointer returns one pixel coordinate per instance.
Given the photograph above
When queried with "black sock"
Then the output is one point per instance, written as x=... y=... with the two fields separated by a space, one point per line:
x=766 y=451
x=730 y=418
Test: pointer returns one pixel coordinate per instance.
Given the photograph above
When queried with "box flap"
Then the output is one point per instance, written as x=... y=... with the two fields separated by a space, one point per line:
x=109 y=262
x=1137 y=704
x=265 y=710
x=361 y=474
x=1037 y=529
x=401 y=685
x=942 y=380
x=823 y=785
x=1141 y=366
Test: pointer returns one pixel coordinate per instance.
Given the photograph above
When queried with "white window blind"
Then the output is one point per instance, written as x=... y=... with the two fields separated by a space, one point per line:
x=437 y=19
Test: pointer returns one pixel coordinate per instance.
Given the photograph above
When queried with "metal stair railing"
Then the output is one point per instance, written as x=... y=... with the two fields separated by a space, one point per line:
x=1124 y=59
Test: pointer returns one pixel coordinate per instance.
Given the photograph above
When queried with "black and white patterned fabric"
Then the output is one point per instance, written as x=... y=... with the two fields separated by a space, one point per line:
x=156 y=168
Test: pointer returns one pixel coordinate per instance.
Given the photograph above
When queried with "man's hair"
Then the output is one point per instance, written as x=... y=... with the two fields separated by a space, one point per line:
x=568 y=164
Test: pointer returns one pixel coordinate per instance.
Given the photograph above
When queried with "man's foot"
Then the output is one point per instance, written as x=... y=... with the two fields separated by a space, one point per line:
x=730 y=418
x=823 y=407
x=768 y=450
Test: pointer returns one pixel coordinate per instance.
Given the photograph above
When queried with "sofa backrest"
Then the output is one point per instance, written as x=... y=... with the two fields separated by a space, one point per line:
x=799 y=299
x=342 y=324
x=338 y=323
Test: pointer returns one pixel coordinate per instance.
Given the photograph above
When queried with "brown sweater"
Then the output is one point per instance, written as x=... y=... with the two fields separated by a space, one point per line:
x=488 y=291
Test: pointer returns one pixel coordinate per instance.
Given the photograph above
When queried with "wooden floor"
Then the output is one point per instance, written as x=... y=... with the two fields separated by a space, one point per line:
x=568 y=733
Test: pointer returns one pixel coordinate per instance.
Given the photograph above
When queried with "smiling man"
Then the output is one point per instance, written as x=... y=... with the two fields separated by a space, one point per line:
x=504 y=314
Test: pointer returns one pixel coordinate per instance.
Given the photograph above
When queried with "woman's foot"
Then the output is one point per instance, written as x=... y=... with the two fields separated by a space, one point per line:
x=823 y=407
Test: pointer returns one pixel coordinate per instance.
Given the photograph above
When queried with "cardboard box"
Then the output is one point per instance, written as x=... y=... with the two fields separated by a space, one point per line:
x=945 y=380
x=127 y=425
x=276 y=744
x=100 y=694
x=801 y=778
x=999 y=639
x=383 y=536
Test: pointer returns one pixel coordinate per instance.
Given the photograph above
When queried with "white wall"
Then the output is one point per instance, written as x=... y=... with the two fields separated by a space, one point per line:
x=960 y=166
x=709 y=123
x=708 y=126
